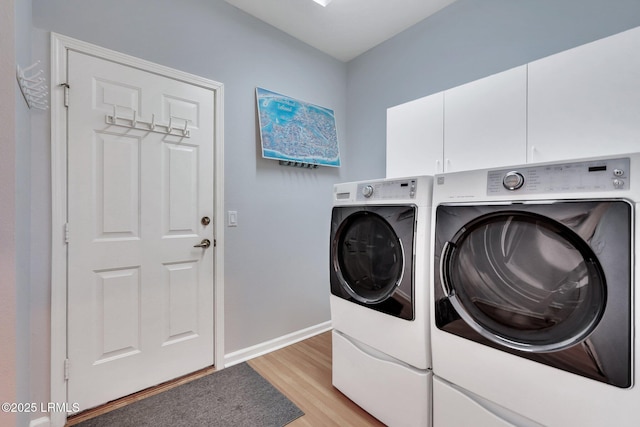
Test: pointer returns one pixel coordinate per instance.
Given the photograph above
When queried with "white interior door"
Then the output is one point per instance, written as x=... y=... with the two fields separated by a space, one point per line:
x=140 y=295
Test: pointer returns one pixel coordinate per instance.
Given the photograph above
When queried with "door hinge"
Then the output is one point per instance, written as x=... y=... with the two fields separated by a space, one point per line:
x=215 y=243
x=66 y=369
x=66 y=232
x=66 y=94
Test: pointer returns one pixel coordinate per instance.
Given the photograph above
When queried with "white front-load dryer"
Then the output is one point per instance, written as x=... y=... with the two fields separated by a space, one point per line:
x=533 y=295
x=379 y=264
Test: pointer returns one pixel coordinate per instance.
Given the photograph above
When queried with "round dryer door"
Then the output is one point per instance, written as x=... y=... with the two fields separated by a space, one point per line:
x=524 y=281
x=369 y=257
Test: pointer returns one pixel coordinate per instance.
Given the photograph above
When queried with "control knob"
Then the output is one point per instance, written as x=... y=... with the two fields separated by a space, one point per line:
x=618 y=184
x=367 y=191
x=513 y=180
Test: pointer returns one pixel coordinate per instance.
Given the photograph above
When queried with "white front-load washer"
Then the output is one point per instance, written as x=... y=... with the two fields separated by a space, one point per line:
x=379 y=264
x=533 y=295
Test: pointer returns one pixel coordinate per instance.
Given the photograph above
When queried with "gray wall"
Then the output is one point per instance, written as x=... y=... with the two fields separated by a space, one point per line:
x=468 y=40
x=276 y=276
x=23 y=234
x=8 y=309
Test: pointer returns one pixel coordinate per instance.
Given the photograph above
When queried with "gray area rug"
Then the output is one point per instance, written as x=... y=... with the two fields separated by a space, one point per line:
x=235 y=396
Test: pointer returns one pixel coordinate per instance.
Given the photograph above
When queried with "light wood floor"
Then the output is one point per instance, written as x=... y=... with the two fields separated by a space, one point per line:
x=301 y=371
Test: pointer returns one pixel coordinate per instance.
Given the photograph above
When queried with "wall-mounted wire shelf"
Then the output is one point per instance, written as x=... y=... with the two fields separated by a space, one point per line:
x=33 y=87
x=152 y=126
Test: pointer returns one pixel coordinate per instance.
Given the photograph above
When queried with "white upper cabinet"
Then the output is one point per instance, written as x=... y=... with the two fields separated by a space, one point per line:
x=480 y=124
x=415 y=137
x=485 y=122
x=585 y=101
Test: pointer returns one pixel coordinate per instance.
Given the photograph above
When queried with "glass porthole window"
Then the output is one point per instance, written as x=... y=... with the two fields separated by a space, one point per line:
x=369 y=257
x=524 y=281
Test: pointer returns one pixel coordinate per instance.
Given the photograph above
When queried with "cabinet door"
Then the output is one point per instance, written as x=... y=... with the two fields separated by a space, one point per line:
x=485 y=122
x=415 y=137
x=585 y=101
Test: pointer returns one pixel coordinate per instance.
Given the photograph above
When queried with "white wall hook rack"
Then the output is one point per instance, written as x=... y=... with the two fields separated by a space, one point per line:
x=33 y=87
x=152 y=126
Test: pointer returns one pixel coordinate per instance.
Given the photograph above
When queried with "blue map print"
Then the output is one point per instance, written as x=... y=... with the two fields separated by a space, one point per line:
x=293 y=130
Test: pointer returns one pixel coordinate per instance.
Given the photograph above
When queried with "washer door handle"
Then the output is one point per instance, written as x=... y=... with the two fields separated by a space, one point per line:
x=445 y=257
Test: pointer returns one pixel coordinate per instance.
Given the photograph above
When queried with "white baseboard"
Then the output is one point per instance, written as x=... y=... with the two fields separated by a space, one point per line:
x=274 y=344
x=40 y=422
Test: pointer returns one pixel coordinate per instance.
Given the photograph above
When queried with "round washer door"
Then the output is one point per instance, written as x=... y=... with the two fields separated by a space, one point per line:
x=368 y=257
x=524 y=281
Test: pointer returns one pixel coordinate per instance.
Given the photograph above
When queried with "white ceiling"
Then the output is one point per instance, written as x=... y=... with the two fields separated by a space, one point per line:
x=345 y=28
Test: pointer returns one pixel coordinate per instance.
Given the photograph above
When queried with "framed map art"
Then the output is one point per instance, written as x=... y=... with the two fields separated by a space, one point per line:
x=296 y=131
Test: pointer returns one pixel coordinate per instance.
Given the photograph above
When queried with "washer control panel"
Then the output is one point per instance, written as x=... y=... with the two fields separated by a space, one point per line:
x=387 y=190
x=573 y=177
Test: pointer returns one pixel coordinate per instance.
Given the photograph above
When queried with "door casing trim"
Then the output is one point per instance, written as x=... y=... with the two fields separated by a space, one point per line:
x=60 y=46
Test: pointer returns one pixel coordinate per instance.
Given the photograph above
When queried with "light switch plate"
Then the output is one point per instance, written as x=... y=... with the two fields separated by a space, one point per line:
x=232 y=219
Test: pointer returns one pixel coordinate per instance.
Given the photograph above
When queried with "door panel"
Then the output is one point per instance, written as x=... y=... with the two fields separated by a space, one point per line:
x=180 y=284
x=118 y=313
x=181 y=177
x=116 y=163
x=140 y=295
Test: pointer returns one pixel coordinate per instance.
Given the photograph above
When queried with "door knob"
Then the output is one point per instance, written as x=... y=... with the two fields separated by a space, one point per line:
x=204 y=244
x=205 y=220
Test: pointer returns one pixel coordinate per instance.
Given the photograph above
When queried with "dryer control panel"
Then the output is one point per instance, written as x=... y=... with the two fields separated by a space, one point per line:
x=572 y=177
x=400 y=189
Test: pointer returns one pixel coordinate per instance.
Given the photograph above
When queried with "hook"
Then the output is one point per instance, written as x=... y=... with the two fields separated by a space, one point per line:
x=34 y=78
x=35 y=85
x=170 y=126
x=32 y=66
x=133 y=120
x=152 y=125
x=114 y=118
x=185 y=131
